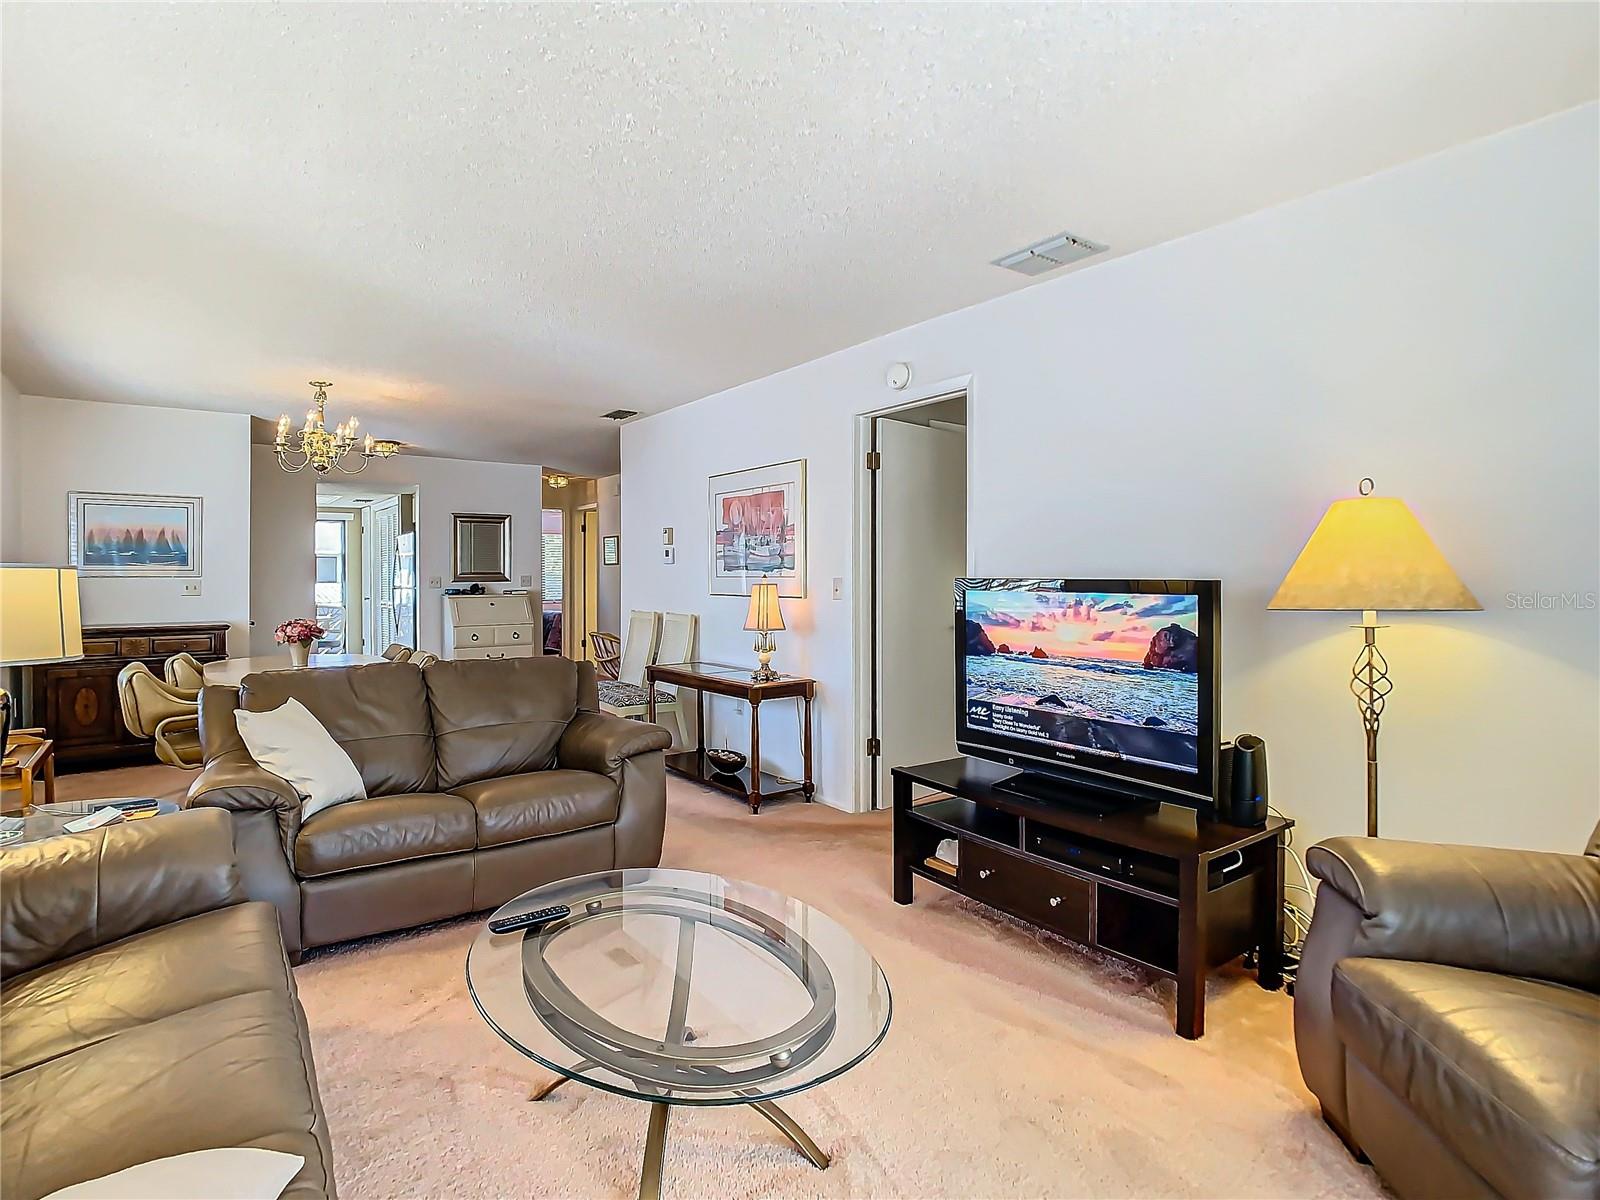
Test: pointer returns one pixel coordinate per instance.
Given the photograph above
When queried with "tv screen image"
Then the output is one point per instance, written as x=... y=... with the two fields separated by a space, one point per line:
x=1113 y=676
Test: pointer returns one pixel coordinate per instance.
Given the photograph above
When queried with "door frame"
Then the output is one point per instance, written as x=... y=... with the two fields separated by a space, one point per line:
x=586 y=579
x=866 y=600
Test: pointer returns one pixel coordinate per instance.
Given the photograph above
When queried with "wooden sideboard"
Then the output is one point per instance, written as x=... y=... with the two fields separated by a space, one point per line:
x=76 y=702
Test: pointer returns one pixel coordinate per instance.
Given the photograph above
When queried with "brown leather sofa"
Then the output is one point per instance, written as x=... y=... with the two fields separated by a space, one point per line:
x=1446 y=1015
x=146 y=1010
x=484 y=778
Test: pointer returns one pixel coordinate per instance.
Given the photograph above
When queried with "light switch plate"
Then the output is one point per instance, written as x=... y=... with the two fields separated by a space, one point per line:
x=666 y=535
x=527 y=581
x=434 y=581
x=669 y=555
x=838 y=587
x=191 y=589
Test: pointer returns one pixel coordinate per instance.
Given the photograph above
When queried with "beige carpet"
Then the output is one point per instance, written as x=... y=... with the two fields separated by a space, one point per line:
x=1016 y=1066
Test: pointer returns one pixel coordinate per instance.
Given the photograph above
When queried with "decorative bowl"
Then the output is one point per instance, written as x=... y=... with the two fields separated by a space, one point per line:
x=725 y=761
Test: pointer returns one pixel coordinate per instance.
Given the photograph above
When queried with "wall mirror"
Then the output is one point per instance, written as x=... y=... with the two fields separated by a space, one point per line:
x=482 y=548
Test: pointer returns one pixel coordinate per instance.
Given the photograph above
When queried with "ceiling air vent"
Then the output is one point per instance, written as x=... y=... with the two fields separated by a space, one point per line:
x=619 y=414
x=1049 y=254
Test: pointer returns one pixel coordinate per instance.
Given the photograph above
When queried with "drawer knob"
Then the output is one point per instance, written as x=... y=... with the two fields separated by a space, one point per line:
x=984 y=873
x=1055 y=901
x=515 y=634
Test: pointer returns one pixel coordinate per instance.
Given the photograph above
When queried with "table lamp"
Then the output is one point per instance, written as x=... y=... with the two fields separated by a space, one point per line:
x=764 y=616
x=1369 y=553
x=39 y=622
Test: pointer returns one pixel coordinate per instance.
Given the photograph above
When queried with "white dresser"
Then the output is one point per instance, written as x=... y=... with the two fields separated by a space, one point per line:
x=490 y=626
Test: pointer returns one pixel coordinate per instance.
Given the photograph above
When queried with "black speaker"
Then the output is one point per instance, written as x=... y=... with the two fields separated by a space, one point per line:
x=1242 y=781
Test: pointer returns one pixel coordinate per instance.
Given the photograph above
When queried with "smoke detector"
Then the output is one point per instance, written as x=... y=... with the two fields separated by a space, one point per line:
x=618 y=414
x=1049 y=254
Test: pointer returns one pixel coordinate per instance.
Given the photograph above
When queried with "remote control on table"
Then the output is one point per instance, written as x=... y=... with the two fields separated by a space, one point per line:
x=529 y=920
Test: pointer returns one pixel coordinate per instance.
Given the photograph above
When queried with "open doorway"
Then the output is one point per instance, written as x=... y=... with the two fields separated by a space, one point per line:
x=366 y=549
x=916 y=539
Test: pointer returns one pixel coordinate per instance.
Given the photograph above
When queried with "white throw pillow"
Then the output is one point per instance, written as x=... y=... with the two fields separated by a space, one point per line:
x=292 y=744
x=240 y=1173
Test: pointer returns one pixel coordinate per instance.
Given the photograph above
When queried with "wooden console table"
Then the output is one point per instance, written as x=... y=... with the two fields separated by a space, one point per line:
x=77 y=700
x=751 y=784
x=1163 y=887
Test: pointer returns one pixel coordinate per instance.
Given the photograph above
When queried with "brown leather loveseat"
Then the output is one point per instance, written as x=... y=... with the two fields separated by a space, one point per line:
x=146 y=1010
x=484 y=778
x=1447 y=1015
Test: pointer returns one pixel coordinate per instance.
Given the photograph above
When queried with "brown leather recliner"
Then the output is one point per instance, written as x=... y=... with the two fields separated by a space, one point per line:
x=1446 y=1015
x=146 y=1010
x=484 y=778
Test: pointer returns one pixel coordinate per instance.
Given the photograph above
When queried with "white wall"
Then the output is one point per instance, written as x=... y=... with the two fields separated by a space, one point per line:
x=283 y=568
x=76 y=445
x=1191 y=410
x=10 y=469
x=445 y=486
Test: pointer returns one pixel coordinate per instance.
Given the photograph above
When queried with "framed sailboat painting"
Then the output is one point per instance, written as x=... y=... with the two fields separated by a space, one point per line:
x=118 y=534
x=758 y=529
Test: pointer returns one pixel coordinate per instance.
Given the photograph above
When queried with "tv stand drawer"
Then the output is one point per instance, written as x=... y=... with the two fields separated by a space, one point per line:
x=1029 y=890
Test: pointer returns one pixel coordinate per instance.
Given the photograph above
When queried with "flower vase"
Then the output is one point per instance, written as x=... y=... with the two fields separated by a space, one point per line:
x=300 y=654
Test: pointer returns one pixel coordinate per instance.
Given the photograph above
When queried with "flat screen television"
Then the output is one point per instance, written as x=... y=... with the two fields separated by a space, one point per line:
x=1108 y=686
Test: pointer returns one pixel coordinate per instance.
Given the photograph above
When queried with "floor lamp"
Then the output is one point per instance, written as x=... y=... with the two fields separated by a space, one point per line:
x=1369 y=553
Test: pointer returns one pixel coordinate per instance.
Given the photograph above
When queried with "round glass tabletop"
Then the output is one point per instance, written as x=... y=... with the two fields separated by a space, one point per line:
x=681 y=988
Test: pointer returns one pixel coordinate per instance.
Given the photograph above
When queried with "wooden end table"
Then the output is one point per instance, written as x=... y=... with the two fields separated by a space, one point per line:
x=751 y=784
x=29 y=756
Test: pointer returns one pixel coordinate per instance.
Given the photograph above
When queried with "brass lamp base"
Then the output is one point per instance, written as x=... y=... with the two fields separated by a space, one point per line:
x=1371 y=685
x=764 y=651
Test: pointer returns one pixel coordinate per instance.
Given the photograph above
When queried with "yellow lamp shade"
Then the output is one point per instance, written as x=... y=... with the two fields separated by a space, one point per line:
x=764 y=614
x=39 y=615
x=1369 y=553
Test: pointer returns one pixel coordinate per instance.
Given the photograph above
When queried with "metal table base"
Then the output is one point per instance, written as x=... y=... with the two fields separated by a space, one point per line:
x=655 y=1141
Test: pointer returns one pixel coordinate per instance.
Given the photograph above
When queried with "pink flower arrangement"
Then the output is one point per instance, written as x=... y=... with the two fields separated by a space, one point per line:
x=298 y=629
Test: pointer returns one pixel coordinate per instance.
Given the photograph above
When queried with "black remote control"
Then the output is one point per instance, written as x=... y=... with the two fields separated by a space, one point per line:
x=529 y=920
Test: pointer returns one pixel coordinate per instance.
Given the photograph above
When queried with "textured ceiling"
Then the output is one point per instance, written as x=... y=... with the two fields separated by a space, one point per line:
x=488 y=225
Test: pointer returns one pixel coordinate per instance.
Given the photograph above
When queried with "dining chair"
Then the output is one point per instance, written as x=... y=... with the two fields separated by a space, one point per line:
x=674 y=643
x=397 y=653
x=183 y=670
x=152 y=708
x=624 y=696
x=422 y=658
x=606 y=649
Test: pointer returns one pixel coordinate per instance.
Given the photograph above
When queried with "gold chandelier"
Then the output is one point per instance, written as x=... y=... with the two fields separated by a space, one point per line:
x=313 y=446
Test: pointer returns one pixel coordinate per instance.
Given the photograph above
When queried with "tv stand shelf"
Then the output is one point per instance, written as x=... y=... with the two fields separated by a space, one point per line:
x=1163 y=887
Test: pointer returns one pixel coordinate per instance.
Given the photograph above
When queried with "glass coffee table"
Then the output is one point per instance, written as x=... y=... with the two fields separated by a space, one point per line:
x=674 y=987
x=40 y=821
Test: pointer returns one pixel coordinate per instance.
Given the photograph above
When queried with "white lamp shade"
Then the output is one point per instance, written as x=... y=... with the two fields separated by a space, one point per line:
x=764 y=614
x=40 y=620
x=1367 y=553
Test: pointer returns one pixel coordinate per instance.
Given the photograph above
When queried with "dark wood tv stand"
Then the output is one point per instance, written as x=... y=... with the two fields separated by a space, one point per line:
x=1164 y=887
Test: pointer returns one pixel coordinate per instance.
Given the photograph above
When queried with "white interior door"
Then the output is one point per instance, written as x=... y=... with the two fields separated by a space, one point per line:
x=383 y=562
x=922 y=550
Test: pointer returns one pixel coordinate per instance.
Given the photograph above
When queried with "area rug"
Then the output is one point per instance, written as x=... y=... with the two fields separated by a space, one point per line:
x=1016 y=1066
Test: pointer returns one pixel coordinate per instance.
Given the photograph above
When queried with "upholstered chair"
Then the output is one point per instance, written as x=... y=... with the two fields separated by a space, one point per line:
x=184 y=671
x=153 y=708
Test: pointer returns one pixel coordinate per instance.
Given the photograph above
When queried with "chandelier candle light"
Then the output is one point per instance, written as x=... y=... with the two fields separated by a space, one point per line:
x=1369 y=552
x=313 y=446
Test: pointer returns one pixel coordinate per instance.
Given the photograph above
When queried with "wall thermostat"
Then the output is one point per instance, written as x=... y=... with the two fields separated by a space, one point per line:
x=666 y=535
x=899 y=376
